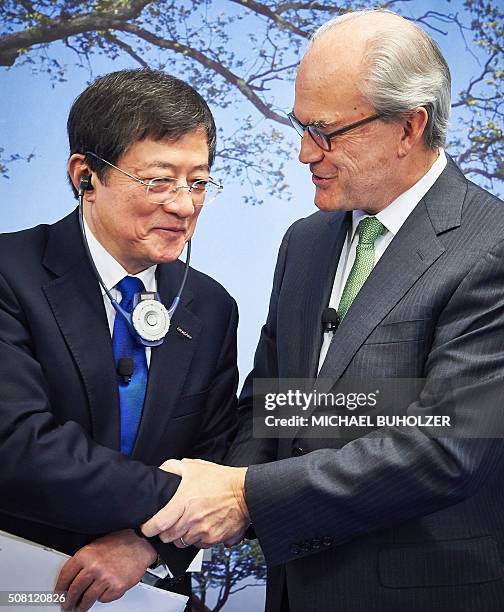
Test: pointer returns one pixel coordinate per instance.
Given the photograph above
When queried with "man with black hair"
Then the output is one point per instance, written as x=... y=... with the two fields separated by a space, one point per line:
x=79 y=445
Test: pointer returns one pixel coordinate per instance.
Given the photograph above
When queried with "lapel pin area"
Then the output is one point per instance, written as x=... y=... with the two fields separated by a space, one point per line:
x=184 y=333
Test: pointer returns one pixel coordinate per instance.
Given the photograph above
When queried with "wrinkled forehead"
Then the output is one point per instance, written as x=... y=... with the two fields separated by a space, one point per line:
x=328 y=80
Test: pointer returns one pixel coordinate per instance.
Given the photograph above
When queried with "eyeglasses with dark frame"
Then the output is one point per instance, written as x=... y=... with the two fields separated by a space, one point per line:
x=322 y=139
x=164 y=190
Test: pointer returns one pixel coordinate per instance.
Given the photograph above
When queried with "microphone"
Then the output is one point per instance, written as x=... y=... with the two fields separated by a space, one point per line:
x=125 y=369
x=330 y=320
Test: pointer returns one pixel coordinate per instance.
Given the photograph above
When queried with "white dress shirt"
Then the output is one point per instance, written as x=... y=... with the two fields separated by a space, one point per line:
x=112 y=273
x=393 y=216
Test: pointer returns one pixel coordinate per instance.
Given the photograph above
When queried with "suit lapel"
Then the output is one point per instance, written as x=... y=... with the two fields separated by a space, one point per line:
x=170 y=363
x=322 y=262
x=412 y=251
x=318 y=266
x=76 y=302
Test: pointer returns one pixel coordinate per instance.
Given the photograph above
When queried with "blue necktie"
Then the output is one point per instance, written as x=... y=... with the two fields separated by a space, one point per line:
x=131 y=394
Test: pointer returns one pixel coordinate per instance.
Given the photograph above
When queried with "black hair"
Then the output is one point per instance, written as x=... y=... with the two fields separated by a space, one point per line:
x=124 y=107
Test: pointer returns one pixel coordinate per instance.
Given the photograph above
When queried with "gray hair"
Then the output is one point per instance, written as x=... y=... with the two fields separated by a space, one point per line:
x=405 y=69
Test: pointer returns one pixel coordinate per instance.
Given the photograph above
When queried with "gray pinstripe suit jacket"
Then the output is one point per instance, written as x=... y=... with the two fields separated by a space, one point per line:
x=401 y=523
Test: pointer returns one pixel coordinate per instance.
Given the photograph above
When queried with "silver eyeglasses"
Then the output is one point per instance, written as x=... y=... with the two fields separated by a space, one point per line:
x=164 y=190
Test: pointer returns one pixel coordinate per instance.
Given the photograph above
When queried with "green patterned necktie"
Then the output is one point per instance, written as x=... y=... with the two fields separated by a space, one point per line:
x=369 y=229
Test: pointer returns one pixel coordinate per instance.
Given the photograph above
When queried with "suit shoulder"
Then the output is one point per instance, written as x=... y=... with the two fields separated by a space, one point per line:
x=314 y=223
x=317 y=219
x=25 y=245
x=206 y=285
x=310 y=228
x=476 y=194
x=485 y=212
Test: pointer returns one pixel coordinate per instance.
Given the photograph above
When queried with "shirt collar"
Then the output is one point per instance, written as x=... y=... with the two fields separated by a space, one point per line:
x=110 y=269
x=395 y=214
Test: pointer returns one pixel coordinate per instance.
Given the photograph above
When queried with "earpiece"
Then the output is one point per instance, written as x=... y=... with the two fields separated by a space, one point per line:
x=85 y=184
x=150 y=320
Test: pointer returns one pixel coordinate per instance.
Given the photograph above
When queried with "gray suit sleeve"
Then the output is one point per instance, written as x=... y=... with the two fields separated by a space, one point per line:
x=387 y=477
x=246 y=449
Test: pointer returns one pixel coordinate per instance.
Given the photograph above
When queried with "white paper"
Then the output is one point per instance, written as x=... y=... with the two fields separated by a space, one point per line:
x=25 y=566
x=196 y=562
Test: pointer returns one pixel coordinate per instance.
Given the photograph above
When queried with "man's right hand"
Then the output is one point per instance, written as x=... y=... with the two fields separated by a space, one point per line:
x=209 y=506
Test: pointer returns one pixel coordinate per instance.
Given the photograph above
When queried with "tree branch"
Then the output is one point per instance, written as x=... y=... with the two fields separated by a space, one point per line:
x=262 y=9
x=464 y=95
x=207 y=62
x=127 y=48
x=387 y=5
x=483 y=172
x=254 y=584
x=269 y=72
x=307 y=6
x=50 y=30
x=28 y=6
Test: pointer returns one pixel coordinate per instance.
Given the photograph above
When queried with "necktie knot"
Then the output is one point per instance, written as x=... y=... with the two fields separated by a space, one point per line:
x=370 y=229
x=128 y=287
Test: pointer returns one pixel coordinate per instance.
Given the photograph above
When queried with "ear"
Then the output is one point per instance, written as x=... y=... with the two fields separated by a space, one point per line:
x=77 y=168
x=413 y=128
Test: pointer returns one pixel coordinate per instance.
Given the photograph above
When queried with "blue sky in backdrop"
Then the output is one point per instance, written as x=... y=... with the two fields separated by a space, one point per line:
x=235 y=242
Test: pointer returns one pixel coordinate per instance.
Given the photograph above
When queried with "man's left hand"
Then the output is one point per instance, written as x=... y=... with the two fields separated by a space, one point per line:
x=209 y=506
x=104 y=569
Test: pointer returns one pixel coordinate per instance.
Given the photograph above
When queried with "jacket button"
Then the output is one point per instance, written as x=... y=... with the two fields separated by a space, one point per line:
x=297 y=451
x=315 y=543
x=305 y=547
x=295 y=549
x=327 y=541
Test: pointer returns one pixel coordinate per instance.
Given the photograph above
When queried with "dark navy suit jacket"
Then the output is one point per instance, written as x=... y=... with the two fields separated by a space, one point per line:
x=63 y=481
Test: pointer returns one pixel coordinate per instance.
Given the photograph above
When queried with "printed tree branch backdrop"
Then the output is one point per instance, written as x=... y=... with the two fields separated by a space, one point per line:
x=243 y=53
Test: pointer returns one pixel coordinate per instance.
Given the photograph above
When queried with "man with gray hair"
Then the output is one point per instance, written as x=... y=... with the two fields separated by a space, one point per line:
x=407 y=256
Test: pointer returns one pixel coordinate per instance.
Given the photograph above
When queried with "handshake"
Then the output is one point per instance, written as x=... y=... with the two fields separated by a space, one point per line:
x=208 y=508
